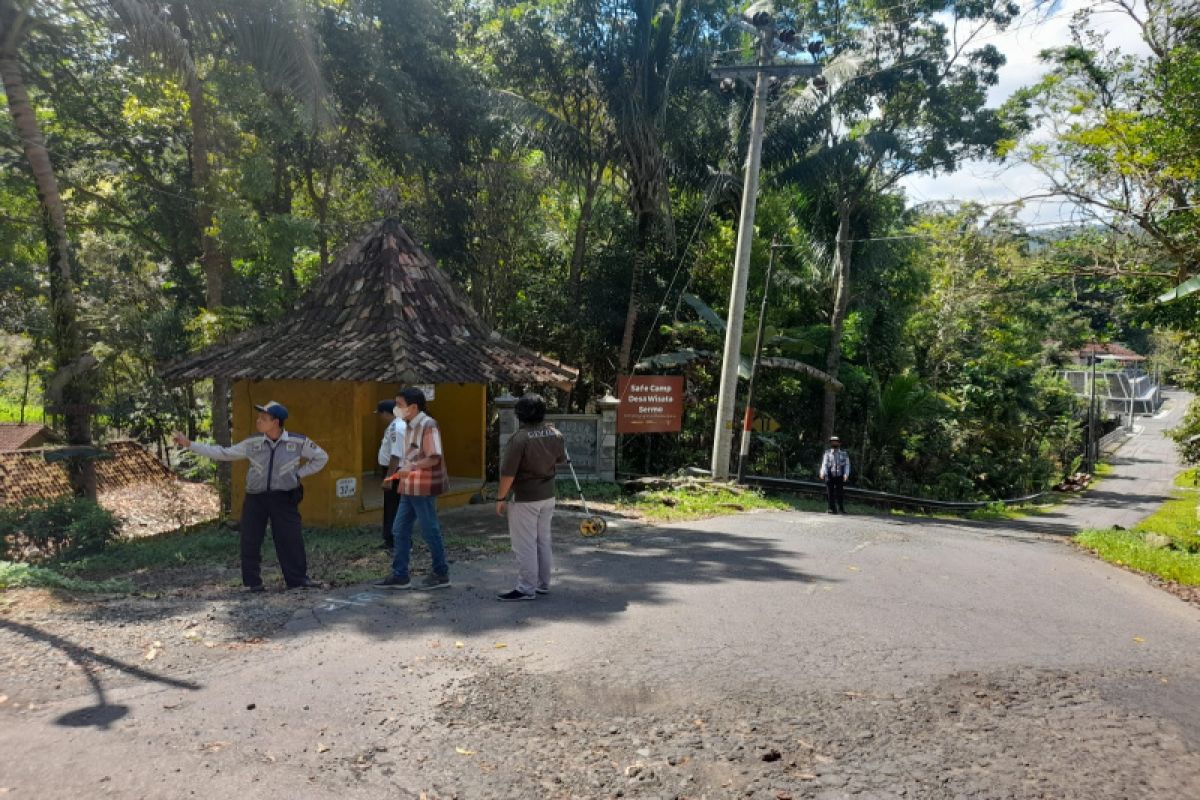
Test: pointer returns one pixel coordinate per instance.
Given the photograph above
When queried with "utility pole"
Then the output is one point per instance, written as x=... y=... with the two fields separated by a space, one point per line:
x=765 y=74
x=748 y=420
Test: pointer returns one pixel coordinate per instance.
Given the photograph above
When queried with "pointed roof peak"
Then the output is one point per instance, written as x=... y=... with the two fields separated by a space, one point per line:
x=384 y=311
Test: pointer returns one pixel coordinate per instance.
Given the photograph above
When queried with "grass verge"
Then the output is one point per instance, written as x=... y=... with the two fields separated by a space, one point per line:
x=1166 y=544
x=688 y=501
x=20 y=576
x=208 y=555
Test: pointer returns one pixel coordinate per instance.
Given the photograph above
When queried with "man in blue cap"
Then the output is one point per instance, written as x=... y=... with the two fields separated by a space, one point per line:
x=278 y=459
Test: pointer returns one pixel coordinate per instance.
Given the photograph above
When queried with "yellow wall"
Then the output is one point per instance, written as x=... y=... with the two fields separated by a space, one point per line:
x=461 y=413
x=340 y=417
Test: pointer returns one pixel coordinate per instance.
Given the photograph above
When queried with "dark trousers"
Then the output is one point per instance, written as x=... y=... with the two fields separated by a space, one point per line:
x=282 y=510
x=391 y=501
x=834 y=486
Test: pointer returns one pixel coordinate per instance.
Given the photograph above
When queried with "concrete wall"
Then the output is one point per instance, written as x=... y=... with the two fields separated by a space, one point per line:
x=591 y=438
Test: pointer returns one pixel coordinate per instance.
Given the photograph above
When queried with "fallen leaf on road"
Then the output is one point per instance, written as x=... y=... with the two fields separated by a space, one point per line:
x=214 y=747
x=806 y=776
x=853 y=694
x=500 y=645
x=322 y=747
x=171 y=706
x=459 y=645
x=1139 y=639
x=462 y=751
x=270 y=759
x=852 y=568
x=153 y=652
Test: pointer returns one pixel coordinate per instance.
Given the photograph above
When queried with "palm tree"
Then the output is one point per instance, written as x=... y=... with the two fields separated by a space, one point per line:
x=270 y=35
x=71 y=382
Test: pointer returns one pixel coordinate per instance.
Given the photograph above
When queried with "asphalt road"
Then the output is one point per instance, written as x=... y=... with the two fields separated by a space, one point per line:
x=768 y=655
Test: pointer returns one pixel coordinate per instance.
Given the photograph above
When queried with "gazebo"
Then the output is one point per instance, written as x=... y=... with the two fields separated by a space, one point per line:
x=384 y=316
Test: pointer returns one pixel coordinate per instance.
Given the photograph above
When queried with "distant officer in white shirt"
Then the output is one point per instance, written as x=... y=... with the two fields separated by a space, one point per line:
x=835 y=471
x=391 y=445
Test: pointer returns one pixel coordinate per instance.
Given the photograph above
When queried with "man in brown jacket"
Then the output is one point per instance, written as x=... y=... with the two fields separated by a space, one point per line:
x=528 y=470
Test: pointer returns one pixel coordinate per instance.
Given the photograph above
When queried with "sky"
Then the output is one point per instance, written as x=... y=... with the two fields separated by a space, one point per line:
x=991 y=183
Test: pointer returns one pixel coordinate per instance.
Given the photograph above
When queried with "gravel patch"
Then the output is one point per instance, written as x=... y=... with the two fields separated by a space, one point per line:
x=1021 y=733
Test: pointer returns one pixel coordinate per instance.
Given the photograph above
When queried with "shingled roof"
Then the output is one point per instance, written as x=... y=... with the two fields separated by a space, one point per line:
x=384 y=312
x=26 y=474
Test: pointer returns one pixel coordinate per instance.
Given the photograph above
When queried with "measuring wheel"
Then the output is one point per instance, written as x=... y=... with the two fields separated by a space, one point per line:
x=592 y=526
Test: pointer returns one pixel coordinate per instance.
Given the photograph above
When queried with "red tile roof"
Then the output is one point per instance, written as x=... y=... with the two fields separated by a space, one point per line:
x=26 y=474
x=384 y=312
x=15 y=435
x=1111 y=350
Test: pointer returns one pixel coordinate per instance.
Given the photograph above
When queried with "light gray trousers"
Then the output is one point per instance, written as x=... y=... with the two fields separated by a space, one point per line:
x=529 y=529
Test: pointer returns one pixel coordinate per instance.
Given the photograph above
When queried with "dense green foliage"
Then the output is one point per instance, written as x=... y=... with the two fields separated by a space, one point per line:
x=574 y=167
x=44 y=530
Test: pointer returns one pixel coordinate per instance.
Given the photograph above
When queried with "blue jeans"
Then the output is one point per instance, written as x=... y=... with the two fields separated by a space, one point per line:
x=424 y=510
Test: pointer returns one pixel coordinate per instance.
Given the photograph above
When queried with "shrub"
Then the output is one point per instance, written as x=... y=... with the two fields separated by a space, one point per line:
x=41 y=530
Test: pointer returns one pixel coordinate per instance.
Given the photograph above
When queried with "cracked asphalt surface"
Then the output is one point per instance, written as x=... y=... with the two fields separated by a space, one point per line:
x=772 y=655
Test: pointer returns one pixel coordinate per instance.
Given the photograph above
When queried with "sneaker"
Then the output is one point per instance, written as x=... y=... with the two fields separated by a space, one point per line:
x=257 y=588
x=543 y=590
x=515 y=595
x=394 y=582
x=434 y=582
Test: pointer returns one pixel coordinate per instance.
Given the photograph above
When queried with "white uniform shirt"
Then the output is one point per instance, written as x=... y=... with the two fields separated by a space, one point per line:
x=392 y=443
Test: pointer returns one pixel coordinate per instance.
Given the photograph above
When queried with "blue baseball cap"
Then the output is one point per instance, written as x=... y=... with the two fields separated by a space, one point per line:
x=277 y=410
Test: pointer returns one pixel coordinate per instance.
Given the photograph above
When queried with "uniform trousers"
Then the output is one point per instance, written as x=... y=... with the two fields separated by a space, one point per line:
x=282 y=510
x=391 y=502
x=835 y=494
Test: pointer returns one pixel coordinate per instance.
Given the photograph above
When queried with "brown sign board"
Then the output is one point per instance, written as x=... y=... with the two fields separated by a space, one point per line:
x=650 y=404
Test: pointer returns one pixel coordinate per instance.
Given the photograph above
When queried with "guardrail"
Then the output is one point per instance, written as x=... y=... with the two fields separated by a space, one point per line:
x=1112 y=436
x=884 y=498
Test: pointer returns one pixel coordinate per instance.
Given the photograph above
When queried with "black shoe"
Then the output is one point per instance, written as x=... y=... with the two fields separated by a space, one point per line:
x=256 y=588
x=434 y=582
x=307 y=583
x=394 y=582
x=543 y=590
x=831 y=511
x=515 y=595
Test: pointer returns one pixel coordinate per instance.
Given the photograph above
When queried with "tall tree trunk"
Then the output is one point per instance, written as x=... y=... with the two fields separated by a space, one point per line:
x=837 y=321
x=68 y=343
x=321 y=207
x=641 y=244
x=582 y=228
x=212 y=261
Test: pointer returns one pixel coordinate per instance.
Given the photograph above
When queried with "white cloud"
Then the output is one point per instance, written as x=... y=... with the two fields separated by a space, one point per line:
x=988 y=182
